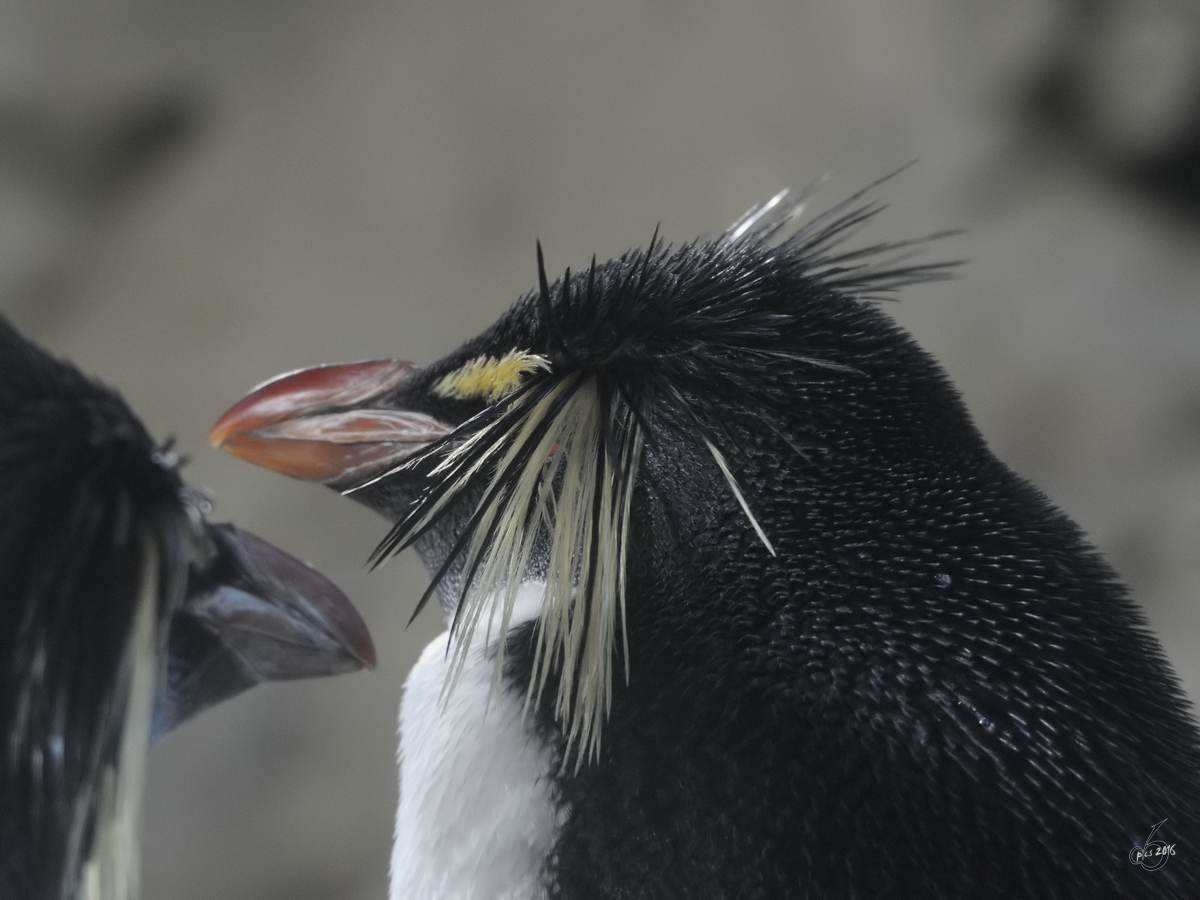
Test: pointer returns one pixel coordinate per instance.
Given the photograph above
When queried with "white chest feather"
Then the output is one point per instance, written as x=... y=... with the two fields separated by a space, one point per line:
x=476 y=817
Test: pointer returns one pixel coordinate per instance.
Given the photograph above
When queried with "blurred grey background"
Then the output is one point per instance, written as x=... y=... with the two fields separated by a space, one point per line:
x=196 y=195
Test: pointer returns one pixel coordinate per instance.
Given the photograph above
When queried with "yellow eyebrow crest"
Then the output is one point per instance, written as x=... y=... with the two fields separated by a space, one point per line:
x=489 y=377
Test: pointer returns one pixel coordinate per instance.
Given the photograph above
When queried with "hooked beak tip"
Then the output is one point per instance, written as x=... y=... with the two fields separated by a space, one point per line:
x=223 y=428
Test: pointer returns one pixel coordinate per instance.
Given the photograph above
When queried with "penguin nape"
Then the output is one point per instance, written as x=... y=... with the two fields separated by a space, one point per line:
x=740 y=603
x=123 y=612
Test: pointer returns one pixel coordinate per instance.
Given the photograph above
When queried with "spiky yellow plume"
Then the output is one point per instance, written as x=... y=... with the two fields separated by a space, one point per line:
x=490 y=378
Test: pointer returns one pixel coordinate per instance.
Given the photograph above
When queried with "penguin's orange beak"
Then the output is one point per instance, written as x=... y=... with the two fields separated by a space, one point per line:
x=330 y=424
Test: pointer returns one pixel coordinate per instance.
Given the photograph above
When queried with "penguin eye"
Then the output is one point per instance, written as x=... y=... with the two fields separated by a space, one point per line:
x=490 y=378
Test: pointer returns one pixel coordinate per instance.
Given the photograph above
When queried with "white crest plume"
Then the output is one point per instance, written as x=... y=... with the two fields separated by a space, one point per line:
x=557 y=462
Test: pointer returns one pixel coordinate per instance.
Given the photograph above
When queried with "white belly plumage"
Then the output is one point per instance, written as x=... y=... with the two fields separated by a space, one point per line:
x=476 y=816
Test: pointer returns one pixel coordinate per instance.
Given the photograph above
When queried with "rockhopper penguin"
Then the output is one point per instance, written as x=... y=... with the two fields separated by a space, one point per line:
x=741 y=604
x=122 y=613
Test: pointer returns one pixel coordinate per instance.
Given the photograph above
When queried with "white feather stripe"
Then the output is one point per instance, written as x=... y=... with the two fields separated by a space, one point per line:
x=565 y=487
x=737 y=492
x=507 y=556
x=753 y=216
x=585 y=677
x=629 y=464
x=461 y=462
x=457 y=456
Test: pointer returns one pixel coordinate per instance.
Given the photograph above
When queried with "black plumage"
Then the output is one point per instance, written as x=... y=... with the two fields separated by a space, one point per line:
x=856 y=656
x=106 y=561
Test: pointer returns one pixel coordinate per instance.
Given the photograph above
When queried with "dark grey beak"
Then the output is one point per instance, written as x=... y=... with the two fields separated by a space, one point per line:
x=254 y=614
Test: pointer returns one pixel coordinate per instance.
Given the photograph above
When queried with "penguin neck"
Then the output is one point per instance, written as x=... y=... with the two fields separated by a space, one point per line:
x=477 y=815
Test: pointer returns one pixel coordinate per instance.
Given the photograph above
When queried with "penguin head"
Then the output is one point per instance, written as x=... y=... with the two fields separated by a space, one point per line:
x=615 y=416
